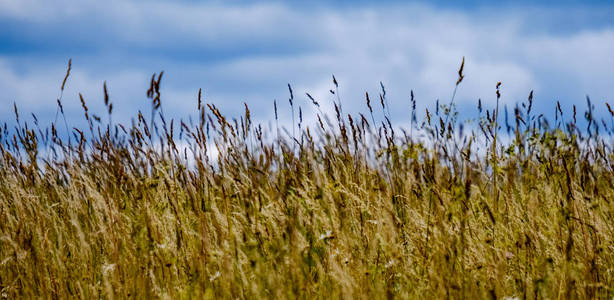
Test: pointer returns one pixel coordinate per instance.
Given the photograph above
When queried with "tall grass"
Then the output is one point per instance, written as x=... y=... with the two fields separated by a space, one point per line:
x=346 y=208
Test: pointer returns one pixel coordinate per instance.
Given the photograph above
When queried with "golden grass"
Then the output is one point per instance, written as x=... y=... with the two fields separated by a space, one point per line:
x=351 y=209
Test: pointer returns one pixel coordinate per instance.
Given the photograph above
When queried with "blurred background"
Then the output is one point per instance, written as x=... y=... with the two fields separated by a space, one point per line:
x=248 y=51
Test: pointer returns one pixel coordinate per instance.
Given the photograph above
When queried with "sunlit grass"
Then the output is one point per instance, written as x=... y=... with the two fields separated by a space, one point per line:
x=349 y=207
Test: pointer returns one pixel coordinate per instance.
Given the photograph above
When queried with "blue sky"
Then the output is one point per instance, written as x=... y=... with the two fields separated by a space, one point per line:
x=247 y=51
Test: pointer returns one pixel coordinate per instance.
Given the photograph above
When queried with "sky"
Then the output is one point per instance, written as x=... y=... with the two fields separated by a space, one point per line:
x=248 y=51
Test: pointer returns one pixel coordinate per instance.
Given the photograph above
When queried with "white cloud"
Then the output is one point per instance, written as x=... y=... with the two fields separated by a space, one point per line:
x=250 y=52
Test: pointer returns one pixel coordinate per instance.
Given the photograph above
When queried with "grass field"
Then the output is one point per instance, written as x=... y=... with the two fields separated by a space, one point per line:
x=348 y=207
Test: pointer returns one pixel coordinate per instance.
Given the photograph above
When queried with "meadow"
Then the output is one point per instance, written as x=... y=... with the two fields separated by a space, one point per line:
x=348 y=207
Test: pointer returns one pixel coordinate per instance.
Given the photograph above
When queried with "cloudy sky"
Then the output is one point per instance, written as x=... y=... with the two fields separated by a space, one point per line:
x=247 y=51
